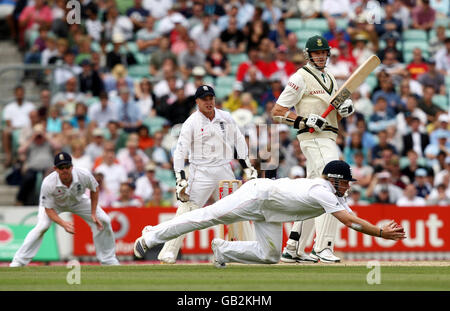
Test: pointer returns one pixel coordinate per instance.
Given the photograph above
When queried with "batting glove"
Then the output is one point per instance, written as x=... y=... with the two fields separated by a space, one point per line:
x=250 y=173
x=316 y=122
x=346 y=109
x=181 y=186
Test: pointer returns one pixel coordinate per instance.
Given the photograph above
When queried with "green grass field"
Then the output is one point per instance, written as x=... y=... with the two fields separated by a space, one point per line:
x=205 y=277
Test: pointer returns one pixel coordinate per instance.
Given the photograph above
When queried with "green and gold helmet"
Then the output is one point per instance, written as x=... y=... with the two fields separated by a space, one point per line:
x=316 y=43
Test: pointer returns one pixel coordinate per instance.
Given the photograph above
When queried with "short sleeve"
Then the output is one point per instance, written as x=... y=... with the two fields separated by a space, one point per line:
x=292 y=92
x=325 y=198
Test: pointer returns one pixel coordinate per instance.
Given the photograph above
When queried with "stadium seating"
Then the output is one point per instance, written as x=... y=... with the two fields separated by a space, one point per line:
x=412 y=44
x=236 y=60
x=320 y=24
x=305 y=34
x=224 y=86
x=138 y=71
x=293 y=24
x=415 y=34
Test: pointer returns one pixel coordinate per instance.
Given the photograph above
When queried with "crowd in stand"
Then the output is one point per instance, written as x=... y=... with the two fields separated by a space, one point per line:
x=123 y=127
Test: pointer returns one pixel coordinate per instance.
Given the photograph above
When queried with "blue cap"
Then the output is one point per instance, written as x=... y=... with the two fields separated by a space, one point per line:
x=204 y=90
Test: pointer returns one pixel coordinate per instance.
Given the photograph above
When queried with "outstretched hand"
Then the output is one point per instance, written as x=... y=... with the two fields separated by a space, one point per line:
x=393 y=231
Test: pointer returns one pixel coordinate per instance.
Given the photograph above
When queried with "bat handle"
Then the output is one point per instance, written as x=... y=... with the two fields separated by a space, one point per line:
x=324 y=115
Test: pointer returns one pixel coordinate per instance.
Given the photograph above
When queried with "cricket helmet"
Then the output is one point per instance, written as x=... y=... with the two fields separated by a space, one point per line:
x=338 y=170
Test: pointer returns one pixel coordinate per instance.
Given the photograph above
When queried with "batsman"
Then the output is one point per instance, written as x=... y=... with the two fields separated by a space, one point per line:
x=309 y=91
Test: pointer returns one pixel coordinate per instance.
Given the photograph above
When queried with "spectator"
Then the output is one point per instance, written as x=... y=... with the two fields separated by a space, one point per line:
x=255 y=86
x=139 y=170
x=129 y=115
x=96 y=147
x=144 y=140
x=441 y=129
x=439 y=196
x=117 y=25
x=416 y=140
x=54 y=121
x=67 y=99
x=69 y=70
x=158 y=8
x=402 y=12
x=341 y=70
x=145 y=97
x=37 y=153
x=393 y=101
x=413 y=165
x=157 y=153
x=381 y=117
x=418 y=65
x=247 y=11
x=233 y=101
x=105 y=196
x=353 y=147
x=157 y=199
x=427 y=105
x=309 y=9
x=90 y=81
x=103 y=111
x=294 y=51
x=198 y=74
x=423 y=187
x=119 y=54
x=355 y=198
x=443 y=58
x=50 y=50
x=114 y=174
x=361 y=171
x=146 y=183
x=362 y=104
x=256 y=30
x=31 y=17
x=190 y=58
x=147 y=38
x=382 y=190
x=281 y=67
x=80 y=119
x=180 y=110
x=423 y=16
x=137 y=15
x=389 y=24
x=16 y=117
x=217 y=63
x=162 y=53
x=331 y=8
x=410 y=197
x=126 y=155
x=271 y=14
x=253 y=60
x=232 y=11
x=79 y=156
x=436 y=42
x=333 y=31
x=127 y=198
x=205 y=33
x=361 y=50
x=433 y=78
x=383 y=144
x=197 y=11
x=94 y=26
x=232 y=38
x=443 y=176
x=433 y=150
x=280 y=33
x=395 y=56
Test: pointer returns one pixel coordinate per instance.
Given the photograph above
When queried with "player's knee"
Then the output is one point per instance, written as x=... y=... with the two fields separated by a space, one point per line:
x=272 y=256
x=42 y=228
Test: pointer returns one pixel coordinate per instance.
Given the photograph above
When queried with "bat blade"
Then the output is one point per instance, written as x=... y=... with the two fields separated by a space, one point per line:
x=352 y=83
x=355 y=80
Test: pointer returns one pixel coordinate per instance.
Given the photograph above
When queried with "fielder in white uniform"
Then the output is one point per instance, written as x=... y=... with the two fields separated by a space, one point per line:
x=64 y=191
x=209 y=138
x=309 y=91
x=268 y=203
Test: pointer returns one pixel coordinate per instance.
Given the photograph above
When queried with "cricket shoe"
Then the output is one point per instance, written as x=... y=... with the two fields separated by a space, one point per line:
x=15 y=264
x=326 y=255
x=291 y=257
x=167 y=259
x=140 y=247
x=215 y=243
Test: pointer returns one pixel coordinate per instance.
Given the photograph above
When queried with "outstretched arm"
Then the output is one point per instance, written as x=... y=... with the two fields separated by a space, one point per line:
x=391 y=231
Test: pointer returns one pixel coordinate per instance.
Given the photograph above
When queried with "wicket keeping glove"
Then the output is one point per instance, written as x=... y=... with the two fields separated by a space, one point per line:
x=316 y=122
x=181 y=186
x=249 y=171
x=346 y=109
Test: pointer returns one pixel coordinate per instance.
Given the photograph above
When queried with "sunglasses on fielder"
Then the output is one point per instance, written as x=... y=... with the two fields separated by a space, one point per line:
x=64 y=166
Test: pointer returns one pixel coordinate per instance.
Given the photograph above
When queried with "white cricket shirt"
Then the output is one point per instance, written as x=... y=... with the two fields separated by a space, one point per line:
x=54 y=194
x=209 y=143
x=298 y=199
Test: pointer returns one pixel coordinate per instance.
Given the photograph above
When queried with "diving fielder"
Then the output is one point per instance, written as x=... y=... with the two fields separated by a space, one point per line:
x=269 y=203
x=209 y=137
x=64 y=191
x=309 y=91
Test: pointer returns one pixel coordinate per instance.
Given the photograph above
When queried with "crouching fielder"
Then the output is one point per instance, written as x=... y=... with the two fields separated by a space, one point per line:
x=64 y=191
x=268 y=203
x=209 y=138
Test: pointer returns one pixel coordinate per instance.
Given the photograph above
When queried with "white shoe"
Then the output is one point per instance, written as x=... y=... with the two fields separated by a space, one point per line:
x=215 y=243
x=15 y=264
x=291 y=257
x=168 y=259
x=326 y=255
x=140 y=247
x=147 y=229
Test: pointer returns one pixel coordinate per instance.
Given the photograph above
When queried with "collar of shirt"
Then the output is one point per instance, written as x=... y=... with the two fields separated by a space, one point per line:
x=74 y=180
x=316 y=71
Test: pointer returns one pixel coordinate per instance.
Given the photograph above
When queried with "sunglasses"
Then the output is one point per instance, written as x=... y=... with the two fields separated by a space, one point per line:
x=64 y=166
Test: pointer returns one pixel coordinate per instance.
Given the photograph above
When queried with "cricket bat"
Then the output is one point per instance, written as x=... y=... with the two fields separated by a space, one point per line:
x=352 y=83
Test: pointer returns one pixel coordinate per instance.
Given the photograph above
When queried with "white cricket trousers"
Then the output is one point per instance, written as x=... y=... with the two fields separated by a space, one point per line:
x=244 y=204
x=104 y=240
x=318 y=152
x=203 y=181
